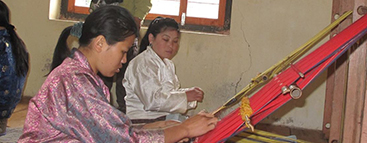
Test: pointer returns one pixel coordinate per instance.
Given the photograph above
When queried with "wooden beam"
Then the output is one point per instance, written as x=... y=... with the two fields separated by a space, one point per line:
x=328 y=101
x=346 y=85
x=338 y=103
x=356 y=87
x=337 y=81
x=355 y=95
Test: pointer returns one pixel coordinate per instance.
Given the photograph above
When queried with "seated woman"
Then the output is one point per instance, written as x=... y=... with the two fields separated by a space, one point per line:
x=13 y=67
x=73 y=103
x=152 y=87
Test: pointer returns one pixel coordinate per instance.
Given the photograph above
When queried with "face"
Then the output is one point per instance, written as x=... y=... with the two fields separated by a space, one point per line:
x=165 y=44
x=113 y=56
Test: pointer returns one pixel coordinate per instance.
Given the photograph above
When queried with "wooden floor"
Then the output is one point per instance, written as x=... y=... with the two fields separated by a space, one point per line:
x=315 y=136
x=19 y=114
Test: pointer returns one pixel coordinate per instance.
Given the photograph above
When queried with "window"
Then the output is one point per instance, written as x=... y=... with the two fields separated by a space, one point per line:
x=190 y=11
x=211 y=16
x=79 y=6
x=194 y=15
x=70 y=10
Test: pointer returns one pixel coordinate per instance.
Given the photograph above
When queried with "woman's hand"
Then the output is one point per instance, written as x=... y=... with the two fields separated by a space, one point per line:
x=195 y=94
x=199 y=124
x=192 y=127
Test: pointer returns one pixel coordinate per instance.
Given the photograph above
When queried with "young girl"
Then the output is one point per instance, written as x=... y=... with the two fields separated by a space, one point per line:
x=13 y=67
x=152 y=87
x=73 y=103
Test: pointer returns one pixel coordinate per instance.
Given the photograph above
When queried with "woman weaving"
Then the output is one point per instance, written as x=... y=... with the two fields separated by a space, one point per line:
x=73 y=103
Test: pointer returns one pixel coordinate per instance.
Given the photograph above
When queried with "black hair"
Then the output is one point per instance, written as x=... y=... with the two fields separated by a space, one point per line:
x=18 y=47
x=158 y=25
x=108 y=1
x=113 y=22
x=61 y=50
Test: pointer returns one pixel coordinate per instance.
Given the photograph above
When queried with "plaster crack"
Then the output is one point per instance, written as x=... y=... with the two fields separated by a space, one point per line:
x=249 y=52
x=238 y=82
x=248 y=44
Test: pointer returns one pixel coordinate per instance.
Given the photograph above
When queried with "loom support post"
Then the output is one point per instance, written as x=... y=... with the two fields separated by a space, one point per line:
x=362 y=10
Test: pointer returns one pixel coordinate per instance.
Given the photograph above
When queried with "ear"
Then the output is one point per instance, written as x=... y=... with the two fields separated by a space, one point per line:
x=151 y=38
x=99 y=43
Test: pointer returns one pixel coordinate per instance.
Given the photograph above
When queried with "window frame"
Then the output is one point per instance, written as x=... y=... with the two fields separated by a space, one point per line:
x=218 y=26
x=76 y=9
x=193 y=20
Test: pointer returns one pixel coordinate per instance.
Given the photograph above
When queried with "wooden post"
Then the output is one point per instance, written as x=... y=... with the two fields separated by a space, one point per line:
x=356 y=87
x=345 y=103
x=337 y=81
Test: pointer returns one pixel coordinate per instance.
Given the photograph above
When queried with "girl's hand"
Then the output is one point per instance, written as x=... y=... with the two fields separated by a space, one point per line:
x=199 y=124
x=195 y=94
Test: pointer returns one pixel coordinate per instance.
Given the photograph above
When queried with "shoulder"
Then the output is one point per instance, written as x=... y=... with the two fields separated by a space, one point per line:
x=144 y=64
x=68 y=70
x=68 y=80
x=144 y=60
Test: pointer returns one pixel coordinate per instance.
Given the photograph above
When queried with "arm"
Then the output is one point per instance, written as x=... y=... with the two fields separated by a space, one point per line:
x=161 y=124
x=154 y=92
x=138 y=22
x=138 y=8
x=85 y=113
x=141 y=8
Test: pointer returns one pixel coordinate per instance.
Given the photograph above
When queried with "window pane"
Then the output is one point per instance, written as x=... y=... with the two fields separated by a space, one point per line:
x=82 y=3
x=203 y=9
x=166 y=7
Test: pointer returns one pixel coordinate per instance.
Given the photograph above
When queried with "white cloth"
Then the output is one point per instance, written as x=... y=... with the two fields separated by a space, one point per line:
x=152 y=88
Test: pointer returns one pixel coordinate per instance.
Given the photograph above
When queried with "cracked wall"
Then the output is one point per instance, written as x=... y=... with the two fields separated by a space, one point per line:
x=262 y=33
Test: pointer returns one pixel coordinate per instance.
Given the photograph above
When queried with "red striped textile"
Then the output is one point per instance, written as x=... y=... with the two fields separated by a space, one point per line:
x=270 y=97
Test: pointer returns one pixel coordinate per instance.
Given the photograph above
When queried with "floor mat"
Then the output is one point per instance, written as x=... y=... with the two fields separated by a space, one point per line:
x=12 y=135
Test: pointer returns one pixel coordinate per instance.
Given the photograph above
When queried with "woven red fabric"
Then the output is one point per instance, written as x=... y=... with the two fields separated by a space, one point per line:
x=270 y=97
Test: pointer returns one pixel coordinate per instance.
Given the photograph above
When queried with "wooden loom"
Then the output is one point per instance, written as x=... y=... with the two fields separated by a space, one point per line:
x=288 y=83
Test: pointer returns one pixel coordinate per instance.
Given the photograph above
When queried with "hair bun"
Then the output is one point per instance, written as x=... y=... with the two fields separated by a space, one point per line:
x=76 y=30
x=9 y=27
